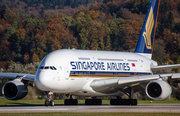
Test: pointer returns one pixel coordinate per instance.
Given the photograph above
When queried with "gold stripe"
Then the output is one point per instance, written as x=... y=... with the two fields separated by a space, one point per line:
x=155 y=25
x=149 y=27
x=149 y=32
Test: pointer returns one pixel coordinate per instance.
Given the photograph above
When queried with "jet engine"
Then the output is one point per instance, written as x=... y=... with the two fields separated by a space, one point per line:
x=158 y=90
x=14 y=90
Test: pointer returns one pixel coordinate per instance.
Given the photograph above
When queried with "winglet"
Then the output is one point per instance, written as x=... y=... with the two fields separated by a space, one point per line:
x=146 y=39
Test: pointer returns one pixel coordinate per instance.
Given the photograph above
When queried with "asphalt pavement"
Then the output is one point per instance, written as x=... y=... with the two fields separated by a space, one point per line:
x=174 y=108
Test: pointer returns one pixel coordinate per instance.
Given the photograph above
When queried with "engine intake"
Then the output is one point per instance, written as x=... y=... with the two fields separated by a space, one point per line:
x=158 y=90
x=14 y=90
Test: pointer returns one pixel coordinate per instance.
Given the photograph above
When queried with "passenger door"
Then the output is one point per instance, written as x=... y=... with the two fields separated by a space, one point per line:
x=66 y=71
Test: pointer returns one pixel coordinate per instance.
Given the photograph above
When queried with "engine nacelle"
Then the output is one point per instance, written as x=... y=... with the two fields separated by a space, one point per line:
x=14 y=90
x=158 y=90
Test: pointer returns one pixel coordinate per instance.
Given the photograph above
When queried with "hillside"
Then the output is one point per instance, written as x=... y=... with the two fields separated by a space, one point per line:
x=37 y=7
x=112 y=25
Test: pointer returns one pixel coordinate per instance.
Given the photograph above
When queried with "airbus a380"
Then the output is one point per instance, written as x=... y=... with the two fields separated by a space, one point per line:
x=95 y=73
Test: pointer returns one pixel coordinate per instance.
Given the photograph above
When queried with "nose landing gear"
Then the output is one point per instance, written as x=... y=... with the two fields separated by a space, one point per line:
x=49 y=102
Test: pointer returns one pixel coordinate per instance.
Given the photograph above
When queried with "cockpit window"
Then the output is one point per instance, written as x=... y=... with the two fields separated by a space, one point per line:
x=51 y=68
x=54 y=68
x=48 y=67
x=41 y=67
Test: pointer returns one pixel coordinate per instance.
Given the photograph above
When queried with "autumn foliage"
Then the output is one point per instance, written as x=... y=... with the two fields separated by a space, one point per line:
x=111 y=25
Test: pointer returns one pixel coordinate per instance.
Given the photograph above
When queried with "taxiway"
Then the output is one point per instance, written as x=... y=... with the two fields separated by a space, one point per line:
x=175 y=108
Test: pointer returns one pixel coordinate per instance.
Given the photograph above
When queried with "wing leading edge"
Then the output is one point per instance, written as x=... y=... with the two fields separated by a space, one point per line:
x=155 y=68
x=116 y=84
x=28 y=77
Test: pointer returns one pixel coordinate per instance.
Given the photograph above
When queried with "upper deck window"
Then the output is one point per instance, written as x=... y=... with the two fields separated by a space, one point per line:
x=84 y=58
x=132 y=60
x=110 y=59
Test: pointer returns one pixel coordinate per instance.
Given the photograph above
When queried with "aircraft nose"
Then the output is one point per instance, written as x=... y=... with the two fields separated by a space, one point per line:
x=42 y=80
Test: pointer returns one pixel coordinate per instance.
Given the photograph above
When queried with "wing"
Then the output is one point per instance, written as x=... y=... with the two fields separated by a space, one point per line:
x=28 y=77
x=155 y=68
x=113 y=85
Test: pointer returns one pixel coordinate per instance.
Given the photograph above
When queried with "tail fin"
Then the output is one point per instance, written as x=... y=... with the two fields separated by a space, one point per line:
x=146 y=38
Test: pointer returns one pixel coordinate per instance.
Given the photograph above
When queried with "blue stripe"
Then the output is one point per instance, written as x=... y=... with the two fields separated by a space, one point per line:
x=99 y=73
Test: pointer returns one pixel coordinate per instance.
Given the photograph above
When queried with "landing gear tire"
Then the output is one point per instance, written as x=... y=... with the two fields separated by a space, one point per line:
x=134 y=102
x=93 y=102
x=70 y=102
x=127 y=101
x=117 y=102
x=46 y=103
x=129 y=92
x=51 y=103
x=123 y=101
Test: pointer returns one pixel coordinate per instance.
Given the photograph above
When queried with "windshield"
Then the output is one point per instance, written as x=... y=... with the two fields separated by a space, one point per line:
x=48 y=67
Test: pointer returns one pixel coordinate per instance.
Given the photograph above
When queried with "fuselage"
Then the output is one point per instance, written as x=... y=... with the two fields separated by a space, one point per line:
x=72 y=71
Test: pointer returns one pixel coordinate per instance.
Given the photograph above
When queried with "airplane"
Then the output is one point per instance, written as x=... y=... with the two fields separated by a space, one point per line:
x=96 y=73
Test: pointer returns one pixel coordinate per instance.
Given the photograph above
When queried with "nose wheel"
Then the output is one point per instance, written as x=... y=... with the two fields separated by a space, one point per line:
x=49 y=102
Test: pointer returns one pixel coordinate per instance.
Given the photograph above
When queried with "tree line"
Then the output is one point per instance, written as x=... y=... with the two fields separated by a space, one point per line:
x=112 y=25
x=47 y=4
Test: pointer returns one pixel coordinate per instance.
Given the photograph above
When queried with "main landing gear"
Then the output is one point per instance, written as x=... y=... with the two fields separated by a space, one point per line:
x=49 y=102
x=93 y=101
x=123 y=101
x=129 y=101
x=70 y=101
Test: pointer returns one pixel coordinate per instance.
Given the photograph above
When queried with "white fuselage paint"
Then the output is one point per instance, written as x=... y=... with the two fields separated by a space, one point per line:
x=76 y=69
